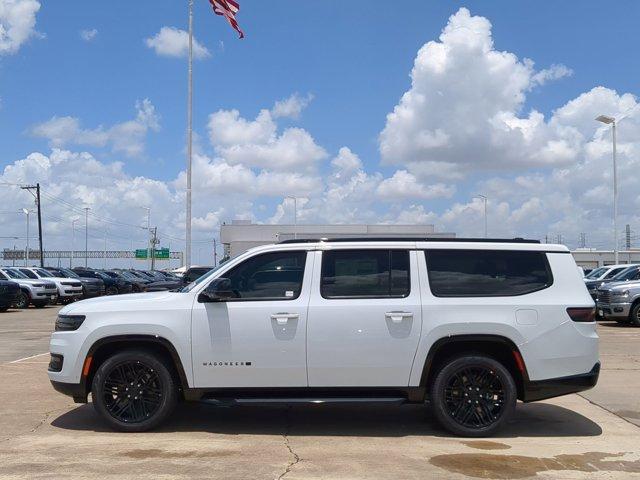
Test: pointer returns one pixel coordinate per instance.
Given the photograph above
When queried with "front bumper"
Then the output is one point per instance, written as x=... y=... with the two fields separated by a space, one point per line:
x=613 y=310
x=77 y=391
x=555 y=387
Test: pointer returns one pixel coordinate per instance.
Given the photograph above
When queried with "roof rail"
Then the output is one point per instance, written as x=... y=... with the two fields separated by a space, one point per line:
x=410 y=239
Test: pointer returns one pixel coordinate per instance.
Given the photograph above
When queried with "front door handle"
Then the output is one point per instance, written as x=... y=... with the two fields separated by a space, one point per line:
x=397 y=317
x=283 y=318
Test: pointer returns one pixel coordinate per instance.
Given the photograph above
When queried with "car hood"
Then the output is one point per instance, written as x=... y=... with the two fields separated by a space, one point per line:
x=32 y=281
x=621 y=285
x=129 y=301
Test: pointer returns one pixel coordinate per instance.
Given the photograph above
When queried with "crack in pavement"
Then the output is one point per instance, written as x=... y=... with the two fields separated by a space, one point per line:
x=38 y=425
x=296 y=458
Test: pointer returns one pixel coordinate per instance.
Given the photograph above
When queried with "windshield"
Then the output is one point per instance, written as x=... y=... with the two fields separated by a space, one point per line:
x=595 y=273
x=15 y=274
x=69 y=273
x=131 y=276
x=630 y=273
x=614 y=272
x=43 y=273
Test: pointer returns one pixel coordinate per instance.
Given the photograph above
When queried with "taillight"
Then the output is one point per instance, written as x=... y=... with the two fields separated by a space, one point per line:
x=582 y=314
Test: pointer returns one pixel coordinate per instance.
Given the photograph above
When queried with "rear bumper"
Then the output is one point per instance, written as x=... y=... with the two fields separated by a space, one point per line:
x=555 y=387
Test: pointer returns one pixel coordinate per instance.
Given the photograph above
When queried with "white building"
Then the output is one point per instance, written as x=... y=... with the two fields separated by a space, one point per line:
x=591 y=258
x=241 y=235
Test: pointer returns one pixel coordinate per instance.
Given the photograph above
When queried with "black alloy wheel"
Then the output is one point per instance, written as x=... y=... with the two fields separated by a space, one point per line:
x=134 y=391
x=22 y=300
x=473 y=395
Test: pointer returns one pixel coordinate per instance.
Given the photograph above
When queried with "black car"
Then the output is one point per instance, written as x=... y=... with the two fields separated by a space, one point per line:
x=139 y=284
x=8 y=294
x=113 y=286
x=160 y=281
x=91 y=287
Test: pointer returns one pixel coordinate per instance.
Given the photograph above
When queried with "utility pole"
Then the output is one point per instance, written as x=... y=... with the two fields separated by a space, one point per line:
x=154 y=242
x=73 y=241
x=26 y=250
x=86 y=236
x=148 y=209
x=583 y=240
x=36 y=187
x=484 y=199
x=215 y=253
x=104 y=261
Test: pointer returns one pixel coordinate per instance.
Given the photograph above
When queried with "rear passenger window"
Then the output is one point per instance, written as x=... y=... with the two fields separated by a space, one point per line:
x=365 y=274
x=486 y=273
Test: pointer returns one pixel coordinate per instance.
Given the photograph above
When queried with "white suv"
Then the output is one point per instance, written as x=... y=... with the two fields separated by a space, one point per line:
x=69 y=289
x=468 y=326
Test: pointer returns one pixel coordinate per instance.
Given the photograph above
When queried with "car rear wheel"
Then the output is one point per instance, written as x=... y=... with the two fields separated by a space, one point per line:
x=111 y=291
x=134 y=391
x=473 y=395
x=22 y=300
x=40 y=304
x=634 y=317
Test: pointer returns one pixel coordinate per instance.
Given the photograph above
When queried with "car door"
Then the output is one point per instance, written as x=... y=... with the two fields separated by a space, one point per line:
x=258 y=338
x=364 y=318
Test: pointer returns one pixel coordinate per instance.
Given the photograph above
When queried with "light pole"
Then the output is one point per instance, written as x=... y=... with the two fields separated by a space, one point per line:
x=73 y=241
x=612 y=121
x=26 y=250
x=86 y=236
x=484 y=199
x=148 y=209
x=295 y=215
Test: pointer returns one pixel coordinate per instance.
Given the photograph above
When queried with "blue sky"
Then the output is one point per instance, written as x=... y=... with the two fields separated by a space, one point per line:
x=355 y=58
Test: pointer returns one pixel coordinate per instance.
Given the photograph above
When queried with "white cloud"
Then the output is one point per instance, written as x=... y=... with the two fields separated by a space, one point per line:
x=88 y=34
x=257 y=143
x=291 y=107
x=405 y=185
x=173 y=42
x=463 y=110
x=17 y=24
x=126 y=137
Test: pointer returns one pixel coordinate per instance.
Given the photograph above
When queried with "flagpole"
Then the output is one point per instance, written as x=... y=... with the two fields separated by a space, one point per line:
x=189 y=139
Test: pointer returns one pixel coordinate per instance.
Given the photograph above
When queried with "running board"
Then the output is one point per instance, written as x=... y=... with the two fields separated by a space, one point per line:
x=304 y=401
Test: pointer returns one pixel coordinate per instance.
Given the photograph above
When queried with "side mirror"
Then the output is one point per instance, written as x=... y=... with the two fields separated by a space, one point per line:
x=219 y=290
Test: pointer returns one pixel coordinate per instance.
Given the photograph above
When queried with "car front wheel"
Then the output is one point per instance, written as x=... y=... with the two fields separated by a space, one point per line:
x=634 y=317
x=134 y=391
x=22 y=301
x=473 y=395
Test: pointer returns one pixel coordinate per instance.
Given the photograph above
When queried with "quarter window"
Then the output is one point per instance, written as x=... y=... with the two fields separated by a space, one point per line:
x=365 y=274
x=486 y=273
x=272 y=276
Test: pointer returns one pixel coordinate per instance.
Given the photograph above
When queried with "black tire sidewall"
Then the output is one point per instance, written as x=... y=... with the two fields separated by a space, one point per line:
x=27 y=300
x=633 y=318
x=440 y=381
x=169 y=390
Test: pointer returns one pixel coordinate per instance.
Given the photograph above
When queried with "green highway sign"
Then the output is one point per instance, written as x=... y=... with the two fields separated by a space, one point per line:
x=159 y=254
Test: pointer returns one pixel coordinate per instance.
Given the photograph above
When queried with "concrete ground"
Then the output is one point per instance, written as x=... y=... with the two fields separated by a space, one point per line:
x=44 y=435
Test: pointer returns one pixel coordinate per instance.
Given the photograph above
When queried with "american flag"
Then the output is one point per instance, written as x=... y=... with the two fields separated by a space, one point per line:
x=228 y=9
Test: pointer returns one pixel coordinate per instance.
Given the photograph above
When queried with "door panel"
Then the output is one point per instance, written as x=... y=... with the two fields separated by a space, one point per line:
x=259 y=343
x=362 y=342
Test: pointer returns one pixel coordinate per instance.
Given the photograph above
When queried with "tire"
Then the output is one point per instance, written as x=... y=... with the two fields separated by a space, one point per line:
x=634 y=316
x=157 y=385
x=111 y=291
x=473 y=378
x=4 y=309
x=23 y=300
x=39 y=303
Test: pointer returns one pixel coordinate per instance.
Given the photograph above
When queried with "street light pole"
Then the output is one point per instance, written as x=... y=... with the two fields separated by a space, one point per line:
x=484 y=199
x=86 y=236
x=612 y=121
x=295 y=215
x=26 y=251
x=73 y=241
x=148 y=209
x=189 y=139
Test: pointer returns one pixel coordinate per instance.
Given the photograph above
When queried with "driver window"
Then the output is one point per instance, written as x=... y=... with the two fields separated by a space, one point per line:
x=272 y=276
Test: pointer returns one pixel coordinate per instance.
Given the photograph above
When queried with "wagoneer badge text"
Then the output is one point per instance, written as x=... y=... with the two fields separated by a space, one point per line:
x=226 y=364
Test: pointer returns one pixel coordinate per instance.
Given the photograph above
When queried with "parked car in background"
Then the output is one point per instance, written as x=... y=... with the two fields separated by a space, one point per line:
x=194 y=273
x=113 y=286
x=69 y=289
x=137 y=284
x=8 y=294
x=161 y=281
x=601 y=275
x=620 y=301
x=91 y=287
x=36 y=292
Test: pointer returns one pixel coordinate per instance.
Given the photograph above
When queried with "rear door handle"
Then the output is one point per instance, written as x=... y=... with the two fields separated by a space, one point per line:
x=283 y=318
x=397 y=317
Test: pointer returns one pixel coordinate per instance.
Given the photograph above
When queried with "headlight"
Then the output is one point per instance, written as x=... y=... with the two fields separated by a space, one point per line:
x=39 y=285
x=68 y=323
x=620 y=293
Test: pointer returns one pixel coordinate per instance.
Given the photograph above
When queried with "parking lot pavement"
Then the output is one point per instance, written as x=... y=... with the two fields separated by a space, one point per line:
x=44 y=435
x=25 y=332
